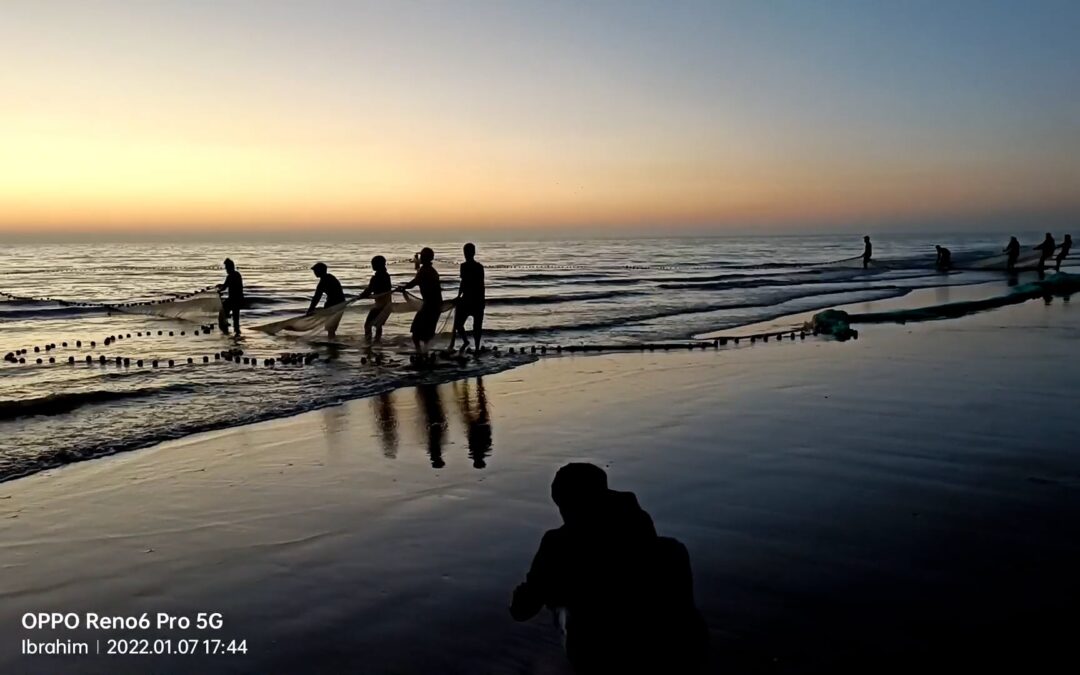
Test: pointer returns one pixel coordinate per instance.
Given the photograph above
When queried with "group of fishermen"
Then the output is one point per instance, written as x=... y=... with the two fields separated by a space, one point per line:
x=469 y=302
x=1046 y=249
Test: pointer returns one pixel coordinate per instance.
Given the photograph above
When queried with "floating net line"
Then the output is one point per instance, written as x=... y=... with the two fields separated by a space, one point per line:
x=305 y=267
x=191 y=306
x=329 y=317
x=837 y=322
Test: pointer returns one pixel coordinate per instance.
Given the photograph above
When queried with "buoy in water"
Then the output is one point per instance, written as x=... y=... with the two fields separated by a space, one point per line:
x=171 y=363
x=190 y=360
x=71 y=359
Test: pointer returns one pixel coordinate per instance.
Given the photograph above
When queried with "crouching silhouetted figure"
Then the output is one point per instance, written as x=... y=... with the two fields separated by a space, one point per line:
x=622 y=595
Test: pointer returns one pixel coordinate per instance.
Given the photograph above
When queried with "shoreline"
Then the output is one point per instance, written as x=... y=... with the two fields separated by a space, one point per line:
x=865 y=485
x=793 y=324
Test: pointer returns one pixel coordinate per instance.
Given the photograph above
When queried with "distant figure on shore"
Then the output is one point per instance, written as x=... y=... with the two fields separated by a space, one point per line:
x=234 y=284
x=944 y=258
x=1066 y=246
x=868 y=251
x=425 y=323
x=1012 y=250
x=622 y=595
x=470 y=300
x=1046 y=249
x=380 y=288
x=331 y=288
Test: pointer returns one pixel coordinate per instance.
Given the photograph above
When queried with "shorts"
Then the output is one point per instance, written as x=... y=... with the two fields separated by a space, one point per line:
x=466 y=309
x=426 y=321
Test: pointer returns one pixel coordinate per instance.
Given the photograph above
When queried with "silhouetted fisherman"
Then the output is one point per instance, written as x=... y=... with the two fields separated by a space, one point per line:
x=944 y=258
x=1046 y=249
x=1012 y=250
x=234 y=284
x=868 y=252
x=426 y=321
x=1066 y=246
x=379 y=288
x=331 y=288
x=470 y=300
x=623 y=595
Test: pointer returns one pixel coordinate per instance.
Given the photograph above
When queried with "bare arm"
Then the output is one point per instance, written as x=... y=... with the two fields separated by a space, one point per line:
x=315 y=298
x=530 y=596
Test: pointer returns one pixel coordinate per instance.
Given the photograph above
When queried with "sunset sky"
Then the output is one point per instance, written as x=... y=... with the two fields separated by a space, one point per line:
x=714 y=116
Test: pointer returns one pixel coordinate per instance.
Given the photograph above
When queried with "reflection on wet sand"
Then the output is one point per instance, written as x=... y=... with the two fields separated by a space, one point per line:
x=475 y=417
x=386 y=423
x=432 y=420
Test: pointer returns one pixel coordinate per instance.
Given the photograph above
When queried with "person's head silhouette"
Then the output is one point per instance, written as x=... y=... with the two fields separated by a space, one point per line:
x=229 y=265
x=470 y=251
x=319 y=269
x=577 y=490
x=378 y=263
x=426 y=256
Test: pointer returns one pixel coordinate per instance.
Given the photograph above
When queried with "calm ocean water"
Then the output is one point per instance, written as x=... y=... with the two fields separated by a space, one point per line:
x=538 y=293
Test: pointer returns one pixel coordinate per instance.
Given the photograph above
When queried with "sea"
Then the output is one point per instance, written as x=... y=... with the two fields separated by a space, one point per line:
x=540 y=294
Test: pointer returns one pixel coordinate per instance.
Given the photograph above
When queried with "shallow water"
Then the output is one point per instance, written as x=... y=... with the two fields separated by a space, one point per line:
x=538 y=293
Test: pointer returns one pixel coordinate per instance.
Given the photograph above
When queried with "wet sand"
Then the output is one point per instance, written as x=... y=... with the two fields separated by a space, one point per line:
x=907 y=499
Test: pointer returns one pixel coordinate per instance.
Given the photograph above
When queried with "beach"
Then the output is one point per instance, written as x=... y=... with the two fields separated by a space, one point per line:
x=909 y=498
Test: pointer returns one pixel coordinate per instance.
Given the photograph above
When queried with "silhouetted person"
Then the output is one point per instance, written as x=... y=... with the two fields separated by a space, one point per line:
x=380 y=288
x=1012 y=250
x=426 y=321
x=623 y=596
x=331 y=288
x=234 y=285
x=868 y=252
x=477 y=421
x=944 y=258
x=1046 y=249
x=1066 y=246
x=433 y=421
x=470 y=300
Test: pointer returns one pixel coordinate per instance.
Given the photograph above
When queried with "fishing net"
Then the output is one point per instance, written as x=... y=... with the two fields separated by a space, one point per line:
x=1026 y=260
x=329 y=317
x=837 y=323
x=194 y=307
